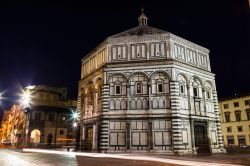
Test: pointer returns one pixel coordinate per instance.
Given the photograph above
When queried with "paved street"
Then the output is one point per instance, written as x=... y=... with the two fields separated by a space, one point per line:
x=15 y=158
x=30 y=157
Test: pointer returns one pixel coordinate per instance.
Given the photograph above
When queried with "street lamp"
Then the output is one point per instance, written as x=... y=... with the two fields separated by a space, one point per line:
x=25 y=101
x=76 y=125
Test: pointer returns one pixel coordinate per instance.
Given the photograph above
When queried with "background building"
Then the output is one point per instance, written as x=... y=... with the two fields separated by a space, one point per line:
x=235 y=120
x=4 y=126
x=46 y=119
x=146 y=89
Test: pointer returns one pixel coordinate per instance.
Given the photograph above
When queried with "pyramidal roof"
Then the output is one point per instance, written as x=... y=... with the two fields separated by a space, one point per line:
x=141 y=29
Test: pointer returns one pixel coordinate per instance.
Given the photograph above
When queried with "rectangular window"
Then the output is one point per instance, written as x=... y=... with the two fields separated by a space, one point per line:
x=181 y=89
x=238 y=115
x=160 y=87
x=225 y=106
x=37 y=116
x=242 y=140
x=51 y=117
x=195 y=92
x=247 y=102
x=229 y=129
x=208 y=95
x=230 y=140
x=240 y=129
x=236 y=104
x=117 y=89
x=227 y=117
x=248 y=114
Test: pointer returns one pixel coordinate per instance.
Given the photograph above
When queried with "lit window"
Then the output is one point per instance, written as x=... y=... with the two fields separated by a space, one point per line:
x=160 y=87
x=138 y=88
x=117 y=89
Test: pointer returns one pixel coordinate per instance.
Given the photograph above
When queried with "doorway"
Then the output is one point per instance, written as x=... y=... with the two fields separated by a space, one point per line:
x=49 y=140
x=89 y=138
x=201 y=138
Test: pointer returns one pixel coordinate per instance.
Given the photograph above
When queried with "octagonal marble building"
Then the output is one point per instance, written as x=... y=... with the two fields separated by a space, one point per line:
x=148 y=90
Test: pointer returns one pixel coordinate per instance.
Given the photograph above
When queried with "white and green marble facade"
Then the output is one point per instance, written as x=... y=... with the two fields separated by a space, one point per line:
x=144 y=89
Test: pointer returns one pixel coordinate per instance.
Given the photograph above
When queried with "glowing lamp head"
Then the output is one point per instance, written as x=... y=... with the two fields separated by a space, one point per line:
x=26 y=98
x=75 y=115
x=74 y=124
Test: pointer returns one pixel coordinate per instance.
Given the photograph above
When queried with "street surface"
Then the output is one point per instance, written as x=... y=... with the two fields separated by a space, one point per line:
x=9 y=157
x=32 y=157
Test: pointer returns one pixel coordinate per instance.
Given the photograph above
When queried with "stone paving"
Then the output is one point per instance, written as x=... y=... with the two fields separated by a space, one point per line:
x=10 y=157
x=14 y=157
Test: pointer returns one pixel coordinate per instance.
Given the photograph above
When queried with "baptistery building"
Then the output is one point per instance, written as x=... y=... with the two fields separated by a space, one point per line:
x=148 y=90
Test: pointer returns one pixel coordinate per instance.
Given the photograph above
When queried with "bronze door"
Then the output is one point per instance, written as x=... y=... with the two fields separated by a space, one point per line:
x=201 y=140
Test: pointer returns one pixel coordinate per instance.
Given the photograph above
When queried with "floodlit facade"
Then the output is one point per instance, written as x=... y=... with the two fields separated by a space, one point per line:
x=46 y=120
x=147 y=90
x=4 y=126
x=235 y=120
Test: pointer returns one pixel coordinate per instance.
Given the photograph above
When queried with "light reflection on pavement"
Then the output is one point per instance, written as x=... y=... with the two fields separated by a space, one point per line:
x=14 y=158
x=131 y=157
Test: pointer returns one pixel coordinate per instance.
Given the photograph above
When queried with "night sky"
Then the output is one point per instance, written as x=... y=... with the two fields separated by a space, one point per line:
x=43 y=43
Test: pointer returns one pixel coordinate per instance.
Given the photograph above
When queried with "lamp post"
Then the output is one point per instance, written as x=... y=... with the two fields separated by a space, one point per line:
x=77 y=127
x=25 y=103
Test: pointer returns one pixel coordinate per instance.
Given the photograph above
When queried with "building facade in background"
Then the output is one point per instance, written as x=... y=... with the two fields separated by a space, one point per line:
x=146 y=89
x=46 y=120
x=235 y=120
x=4 y=126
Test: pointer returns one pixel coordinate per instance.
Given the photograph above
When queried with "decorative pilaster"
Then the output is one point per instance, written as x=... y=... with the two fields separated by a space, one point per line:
x=104 y=134
x=105 y=98
x=217 y=122
x=176 y=119
x=95 y=135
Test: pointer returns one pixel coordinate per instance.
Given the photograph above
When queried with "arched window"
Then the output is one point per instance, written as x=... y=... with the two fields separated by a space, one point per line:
x=112 y=105
x=117 y=105
x=133 y=104
x=123 y=104
x=139 y=104
x=138 y=88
